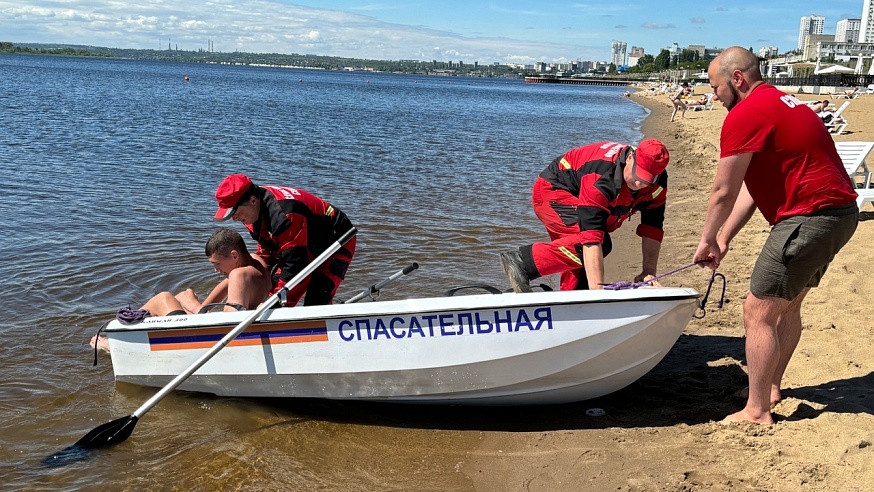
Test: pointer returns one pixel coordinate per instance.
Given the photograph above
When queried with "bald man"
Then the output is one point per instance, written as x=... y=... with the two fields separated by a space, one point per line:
x=777 y=156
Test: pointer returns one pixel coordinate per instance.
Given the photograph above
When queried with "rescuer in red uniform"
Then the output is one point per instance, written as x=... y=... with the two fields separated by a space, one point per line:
x=291 y=227
x=583 y=196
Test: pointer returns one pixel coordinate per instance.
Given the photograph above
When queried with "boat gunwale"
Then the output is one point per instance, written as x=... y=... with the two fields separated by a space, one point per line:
x=116 y=327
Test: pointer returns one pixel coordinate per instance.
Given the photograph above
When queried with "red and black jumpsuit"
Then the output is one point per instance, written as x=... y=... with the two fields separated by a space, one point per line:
x=292 y=229
x=581 y=197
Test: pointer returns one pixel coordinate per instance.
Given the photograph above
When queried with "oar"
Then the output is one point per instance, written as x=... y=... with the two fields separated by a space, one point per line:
x=374 y=289
x=118 y=430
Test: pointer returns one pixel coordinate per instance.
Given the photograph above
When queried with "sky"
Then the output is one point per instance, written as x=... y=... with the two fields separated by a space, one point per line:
x=502 y=31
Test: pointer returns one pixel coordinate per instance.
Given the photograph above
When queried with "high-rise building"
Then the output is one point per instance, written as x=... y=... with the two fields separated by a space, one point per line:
x=618 y=50
x=848 y=31
x=810 y=24
x=866 y=28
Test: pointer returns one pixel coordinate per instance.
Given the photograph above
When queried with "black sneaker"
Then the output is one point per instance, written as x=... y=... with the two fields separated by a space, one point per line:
x=512 y=263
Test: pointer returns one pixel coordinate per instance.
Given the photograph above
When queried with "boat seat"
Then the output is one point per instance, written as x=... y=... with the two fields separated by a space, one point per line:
x=490 y=289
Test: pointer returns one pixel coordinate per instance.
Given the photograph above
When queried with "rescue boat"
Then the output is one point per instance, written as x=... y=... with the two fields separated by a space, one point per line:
x=482 y=349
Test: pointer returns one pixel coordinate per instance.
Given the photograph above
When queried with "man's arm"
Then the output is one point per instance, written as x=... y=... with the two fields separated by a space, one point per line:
x=593 y=262
x=650 y=248
x=730 y=173
x=218 y=293
x=743 y=211
x=191 y=304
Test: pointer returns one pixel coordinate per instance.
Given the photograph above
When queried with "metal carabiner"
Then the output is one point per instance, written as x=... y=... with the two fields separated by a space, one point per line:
x=703 y=303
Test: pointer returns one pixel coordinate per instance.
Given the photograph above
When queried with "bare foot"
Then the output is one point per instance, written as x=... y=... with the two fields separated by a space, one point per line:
x=743 y=416
x=654 y=283
x=776 y=397
x=101 y=341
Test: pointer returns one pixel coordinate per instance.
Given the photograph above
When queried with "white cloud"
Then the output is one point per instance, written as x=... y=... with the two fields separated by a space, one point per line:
x=260 y=26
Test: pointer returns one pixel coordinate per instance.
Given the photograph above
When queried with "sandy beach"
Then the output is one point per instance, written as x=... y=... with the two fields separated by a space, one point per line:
x=662 y=433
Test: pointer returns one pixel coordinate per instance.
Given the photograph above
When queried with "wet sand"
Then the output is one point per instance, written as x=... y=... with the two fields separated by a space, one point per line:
x=662 y=432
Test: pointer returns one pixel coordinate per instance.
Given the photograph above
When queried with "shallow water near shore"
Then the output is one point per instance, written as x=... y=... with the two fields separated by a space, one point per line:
x=111 y=169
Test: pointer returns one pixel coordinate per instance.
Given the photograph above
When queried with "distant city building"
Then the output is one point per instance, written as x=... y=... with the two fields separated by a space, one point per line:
x=866 y=26
x=711 y=53
x=848 y=31
x=768 y=52
x=843 y=51
x=618 y=51
x=810 y=24
x=811 y=49
x=697 y=47
x=635 y=55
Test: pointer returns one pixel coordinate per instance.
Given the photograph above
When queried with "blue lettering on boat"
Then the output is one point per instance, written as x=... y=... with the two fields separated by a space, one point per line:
x=445 y=325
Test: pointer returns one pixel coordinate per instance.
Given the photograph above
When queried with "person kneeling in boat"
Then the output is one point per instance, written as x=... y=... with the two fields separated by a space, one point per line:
x=581 y=197
x=247 y=282
x=292 y=227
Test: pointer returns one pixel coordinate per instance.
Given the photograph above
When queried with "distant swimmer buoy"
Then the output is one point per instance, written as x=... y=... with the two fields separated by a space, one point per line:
x=300 y=80
x=186 y=78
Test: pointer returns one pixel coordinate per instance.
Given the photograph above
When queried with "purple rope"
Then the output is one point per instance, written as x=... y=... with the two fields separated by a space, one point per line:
x=126 y=315
x=130 y=315
x=635 y=285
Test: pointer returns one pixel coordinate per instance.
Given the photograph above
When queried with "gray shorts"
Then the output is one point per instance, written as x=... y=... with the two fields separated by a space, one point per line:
x=799 y=250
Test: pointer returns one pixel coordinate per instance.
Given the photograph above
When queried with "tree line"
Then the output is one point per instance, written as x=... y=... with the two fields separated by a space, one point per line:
x=277 y=59
x=686 y=59
x=6 y=47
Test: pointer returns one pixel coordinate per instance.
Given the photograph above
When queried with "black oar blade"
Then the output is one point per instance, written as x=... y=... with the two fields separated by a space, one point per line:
x=109 y=434
x=64 y=457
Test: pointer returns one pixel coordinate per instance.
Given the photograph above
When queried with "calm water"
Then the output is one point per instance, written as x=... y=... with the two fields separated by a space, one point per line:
x=110 y=169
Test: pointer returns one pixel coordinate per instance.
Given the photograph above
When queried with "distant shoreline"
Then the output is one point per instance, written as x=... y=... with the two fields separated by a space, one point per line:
x=273 y=60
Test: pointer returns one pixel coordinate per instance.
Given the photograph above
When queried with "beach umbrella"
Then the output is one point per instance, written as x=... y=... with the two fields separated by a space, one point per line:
x=790 y=70
x=836 y=69
x=871 y=67
x=816 y=69
x=858 y=70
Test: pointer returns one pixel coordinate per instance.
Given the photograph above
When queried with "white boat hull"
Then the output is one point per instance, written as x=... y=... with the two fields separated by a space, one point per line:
x=510 y=349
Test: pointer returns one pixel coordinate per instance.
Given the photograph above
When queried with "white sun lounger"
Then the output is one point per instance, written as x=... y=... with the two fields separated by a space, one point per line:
x=864 y=196
x=853 y=155
x=837 y=124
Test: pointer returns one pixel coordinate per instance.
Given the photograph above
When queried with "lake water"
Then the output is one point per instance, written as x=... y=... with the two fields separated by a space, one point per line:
x=110 y=171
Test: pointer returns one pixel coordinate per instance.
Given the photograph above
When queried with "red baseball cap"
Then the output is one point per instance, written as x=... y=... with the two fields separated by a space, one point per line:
x=650 y=160
x=229 y=193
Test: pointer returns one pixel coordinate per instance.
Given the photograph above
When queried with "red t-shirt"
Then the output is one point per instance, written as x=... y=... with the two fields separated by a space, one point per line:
x=795 y=169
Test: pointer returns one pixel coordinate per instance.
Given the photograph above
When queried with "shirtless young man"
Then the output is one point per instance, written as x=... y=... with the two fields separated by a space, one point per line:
x=247 y=282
